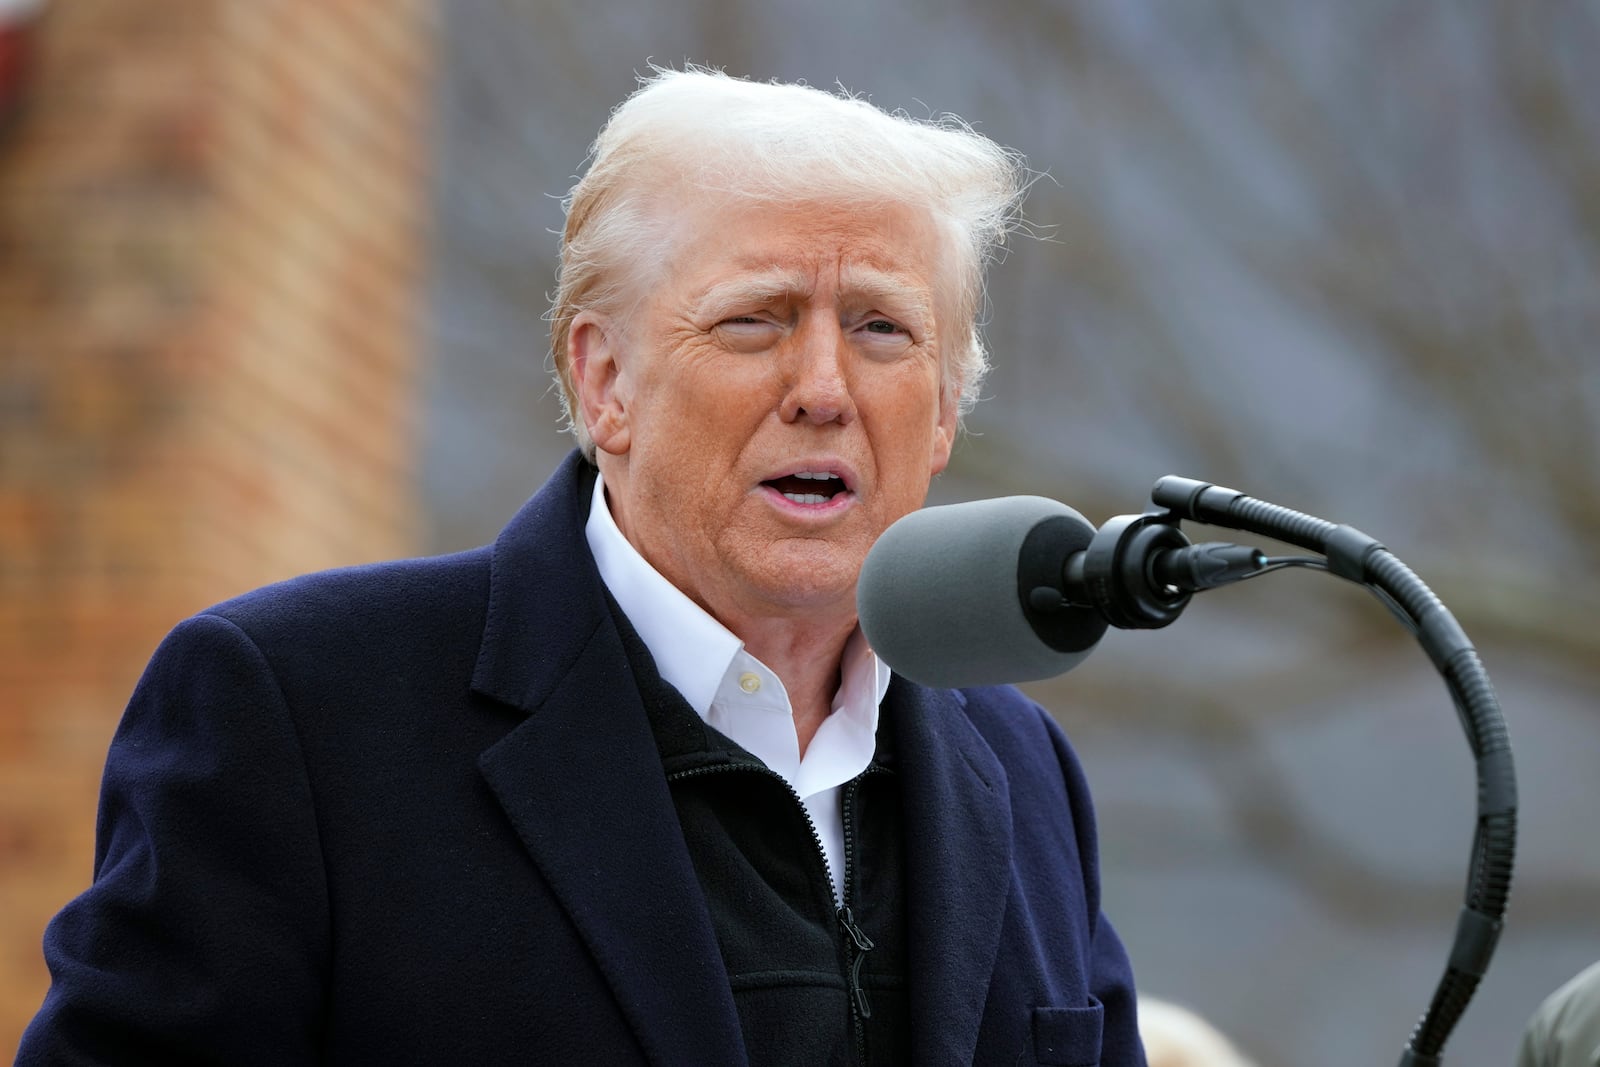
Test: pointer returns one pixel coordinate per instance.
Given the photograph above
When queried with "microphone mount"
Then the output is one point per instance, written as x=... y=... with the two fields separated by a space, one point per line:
x=1140 y=571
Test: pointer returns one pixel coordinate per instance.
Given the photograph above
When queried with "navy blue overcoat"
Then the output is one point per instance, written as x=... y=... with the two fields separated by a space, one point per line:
x=414 y=813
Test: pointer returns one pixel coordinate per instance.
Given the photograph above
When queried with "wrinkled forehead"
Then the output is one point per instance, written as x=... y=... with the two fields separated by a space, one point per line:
x=865 y=248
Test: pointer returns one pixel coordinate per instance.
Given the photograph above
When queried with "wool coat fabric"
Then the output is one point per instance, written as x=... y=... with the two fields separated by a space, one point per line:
x=413 y=813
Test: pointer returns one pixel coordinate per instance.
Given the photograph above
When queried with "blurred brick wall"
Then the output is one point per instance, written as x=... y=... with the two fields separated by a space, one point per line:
x=212 y=217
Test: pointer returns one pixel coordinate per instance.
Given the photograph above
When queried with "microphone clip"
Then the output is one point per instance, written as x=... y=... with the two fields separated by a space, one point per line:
x=1140 y=571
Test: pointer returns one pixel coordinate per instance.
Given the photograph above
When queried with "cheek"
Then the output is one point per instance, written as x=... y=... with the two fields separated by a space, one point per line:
x=689 y=437
x=910 y=445
x=912 y=407
x=697 y=377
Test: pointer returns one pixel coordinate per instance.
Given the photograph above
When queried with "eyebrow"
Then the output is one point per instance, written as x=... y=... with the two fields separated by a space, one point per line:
x=899 y=291
x=860 y=285
x=751 y=289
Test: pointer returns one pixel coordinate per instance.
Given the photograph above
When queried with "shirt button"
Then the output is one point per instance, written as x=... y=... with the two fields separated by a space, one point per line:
x=749 y=682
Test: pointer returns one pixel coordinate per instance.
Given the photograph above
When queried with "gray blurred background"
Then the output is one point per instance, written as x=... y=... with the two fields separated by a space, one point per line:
x=1340 y=256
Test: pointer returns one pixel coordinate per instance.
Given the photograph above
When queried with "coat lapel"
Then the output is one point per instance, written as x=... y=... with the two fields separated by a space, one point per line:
x=581 y=782
x=958 y=858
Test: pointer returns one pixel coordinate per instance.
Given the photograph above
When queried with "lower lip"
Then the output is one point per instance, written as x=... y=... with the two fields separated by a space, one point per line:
x=827 y=509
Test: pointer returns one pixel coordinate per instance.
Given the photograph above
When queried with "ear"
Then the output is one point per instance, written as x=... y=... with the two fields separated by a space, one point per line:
x=944 y=432
x=594 y=349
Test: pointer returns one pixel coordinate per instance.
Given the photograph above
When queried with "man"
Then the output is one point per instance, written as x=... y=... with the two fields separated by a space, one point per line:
x=629 y=786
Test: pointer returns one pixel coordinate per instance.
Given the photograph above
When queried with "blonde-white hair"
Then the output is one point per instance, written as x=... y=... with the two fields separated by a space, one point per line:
x=703 y=131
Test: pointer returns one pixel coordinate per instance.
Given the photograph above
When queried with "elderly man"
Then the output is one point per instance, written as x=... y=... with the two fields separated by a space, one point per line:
x=629 y=786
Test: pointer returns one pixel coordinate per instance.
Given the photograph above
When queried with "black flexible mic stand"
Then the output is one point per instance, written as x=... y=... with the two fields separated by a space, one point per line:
x=1139 y=572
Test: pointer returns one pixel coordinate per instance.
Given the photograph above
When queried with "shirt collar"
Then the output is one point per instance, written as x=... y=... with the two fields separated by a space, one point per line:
x=693 y=651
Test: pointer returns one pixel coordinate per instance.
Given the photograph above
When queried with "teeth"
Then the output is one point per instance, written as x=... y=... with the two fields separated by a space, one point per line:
x=806 y=498
x=816 y=476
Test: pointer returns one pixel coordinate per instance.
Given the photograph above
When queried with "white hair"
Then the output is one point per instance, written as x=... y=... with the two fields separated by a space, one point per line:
x=701 y=130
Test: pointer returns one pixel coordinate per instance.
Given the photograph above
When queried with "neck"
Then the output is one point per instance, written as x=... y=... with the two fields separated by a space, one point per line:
x=807 y=660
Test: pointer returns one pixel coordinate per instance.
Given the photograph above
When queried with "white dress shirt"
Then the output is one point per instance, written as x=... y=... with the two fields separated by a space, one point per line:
x=738 y=694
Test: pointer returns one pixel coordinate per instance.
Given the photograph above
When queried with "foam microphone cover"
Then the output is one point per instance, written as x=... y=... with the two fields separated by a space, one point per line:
x=942 y=594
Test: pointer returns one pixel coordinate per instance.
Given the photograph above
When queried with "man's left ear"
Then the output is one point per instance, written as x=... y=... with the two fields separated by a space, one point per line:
x=944 y=434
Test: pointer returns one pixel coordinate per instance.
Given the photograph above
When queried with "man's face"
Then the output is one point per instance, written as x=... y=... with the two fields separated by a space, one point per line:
x=776 y=404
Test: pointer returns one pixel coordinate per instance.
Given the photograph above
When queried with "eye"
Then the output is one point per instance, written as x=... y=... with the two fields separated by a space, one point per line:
x=743 y=323
x=879 y=337
x=747 y=333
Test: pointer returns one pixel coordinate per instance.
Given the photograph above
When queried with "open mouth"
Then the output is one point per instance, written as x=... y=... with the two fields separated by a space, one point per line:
x=808 y=487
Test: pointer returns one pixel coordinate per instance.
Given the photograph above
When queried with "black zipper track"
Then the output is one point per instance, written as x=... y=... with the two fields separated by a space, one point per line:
x=858 y=944
x=855 y=942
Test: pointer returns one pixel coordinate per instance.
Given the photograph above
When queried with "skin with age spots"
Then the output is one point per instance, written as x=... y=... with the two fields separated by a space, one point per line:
x=782 y=339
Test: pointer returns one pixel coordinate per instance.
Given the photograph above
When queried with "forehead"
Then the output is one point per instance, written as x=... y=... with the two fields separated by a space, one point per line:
x=782 y=248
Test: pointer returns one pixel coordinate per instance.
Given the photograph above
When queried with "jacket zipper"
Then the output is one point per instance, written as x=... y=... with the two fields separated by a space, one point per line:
x=856 y=942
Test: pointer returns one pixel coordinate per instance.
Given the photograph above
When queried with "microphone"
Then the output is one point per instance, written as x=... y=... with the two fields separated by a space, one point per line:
x=1020 y=588
x=946 y=594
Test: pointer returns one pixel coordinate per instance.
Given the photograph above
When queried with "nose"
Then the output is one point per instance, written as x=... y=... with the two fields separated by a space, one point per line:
x=818 y=383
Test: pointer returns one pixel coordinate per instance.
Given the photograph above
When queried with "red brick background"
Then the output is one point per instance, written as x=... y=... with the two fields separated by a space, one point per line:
x=212 y=231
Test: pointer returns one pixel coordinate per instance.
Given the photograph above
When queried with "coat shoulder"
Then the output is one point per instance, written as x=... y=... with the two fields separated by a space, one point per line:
x=423 y=594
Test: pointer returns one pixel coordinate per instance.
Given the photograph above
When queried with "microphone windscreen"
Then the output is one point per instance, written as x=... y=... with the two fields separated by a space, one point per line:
x=940 y=596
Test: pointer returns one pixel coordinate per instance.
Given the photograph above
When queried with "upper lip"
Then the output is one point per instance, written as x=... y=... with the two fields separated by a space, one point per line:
x=835 y=467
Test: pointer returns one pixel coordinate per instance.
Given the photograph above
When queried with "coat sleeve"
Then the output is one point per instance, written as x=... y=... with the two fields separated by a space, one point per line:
x=202 y=936
x=1111 y=973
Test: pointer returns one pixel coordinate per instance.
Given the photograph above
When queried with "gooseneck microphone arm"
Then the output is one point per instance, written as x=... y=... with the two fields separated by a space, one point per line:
x=1139 y=571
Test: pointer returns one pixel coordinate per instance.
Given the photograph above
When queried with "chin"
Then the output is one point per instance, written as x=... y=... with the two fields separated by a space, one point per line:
x=807 y=579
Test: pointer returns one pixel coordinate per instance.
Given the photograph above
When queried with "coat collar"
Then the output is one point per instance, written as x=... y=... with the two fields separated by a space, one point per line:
x=544 y=593
x=581 y=781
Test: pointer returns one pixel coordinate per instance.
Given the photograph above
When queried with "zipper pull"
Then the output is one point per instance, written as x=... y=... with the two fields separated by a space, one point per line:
x=864 y=945
x=847 y=919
